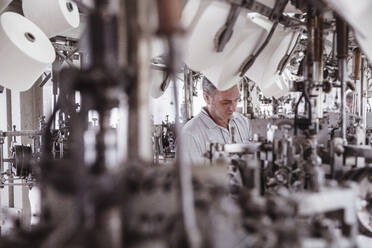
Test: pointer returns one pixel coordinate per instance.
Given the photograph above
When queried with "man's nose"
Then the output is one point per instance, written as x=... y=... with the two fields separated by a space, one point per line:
x=232 y=107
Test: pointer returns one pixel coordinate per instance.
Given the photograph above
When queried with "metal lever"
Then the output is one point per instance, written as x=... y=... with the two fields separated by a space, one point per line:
x=224 y=34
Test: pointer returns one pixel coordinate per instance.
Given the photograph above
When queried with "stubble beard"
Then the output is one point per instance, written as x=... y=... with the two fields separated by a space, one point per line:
x=220 y=117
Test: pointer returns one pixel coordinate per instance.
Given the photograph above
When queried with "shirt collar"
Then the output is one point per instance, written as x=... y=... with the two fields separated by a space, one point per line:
x=208 y=121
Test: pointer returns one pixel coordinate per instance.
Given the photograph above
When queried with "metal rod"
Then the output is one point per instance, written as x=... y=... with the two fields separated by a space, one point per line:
x=1 y=155
x=342 y=53
x=20 y=179
x=184 y=174
x=188 y=93
x=137 y=54
x=61 y=150
x=169 y=27
x=20 y=133
x=11 y=191
x=357 y=54
x=9 y=128
x=15 y=184
x=362 y=94
x=55 y=95
x=245 y=95
x=341 y=69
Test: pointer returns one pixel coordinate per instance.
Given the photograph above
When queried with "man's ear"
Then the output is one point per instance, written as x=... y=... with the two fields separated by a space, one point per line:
x=207 y=98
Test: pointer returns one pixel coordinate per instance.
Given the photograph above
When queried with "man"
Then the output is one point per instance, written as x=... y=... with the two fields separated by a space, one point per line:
x=214 y=123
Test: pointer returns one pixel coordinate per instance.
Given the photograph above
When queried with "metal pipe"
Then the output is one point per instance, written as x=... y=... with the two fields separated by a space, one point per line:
x=188 y=93
x=137 y=57
x=341 y=69
x=20 y=133
x=357 y=54
x=169 y=13
x=20 y=179
x=362 y=94
x=16 y=184
x=245 y=96
x=318 y=46
x=1 y=155
x=310 y=45
x=61 y=149
x=318 y=69
x=9 y=128
x=185 y=182
x=11 y=191
x=342 y=53
x=55 y=94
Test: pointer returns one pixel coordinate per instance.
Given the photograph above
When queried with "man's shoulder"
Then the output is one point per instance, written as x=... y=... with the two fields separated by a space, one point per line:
x=194 y=126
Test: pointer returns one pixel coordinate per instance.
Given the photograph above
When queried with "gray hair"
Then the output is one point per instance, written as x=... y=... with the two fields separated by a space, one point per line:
x=208 y=87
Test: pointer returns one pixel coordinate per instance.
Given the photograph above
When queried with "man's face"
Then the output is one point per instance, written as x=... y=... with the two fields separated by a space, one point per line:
x=223 y=104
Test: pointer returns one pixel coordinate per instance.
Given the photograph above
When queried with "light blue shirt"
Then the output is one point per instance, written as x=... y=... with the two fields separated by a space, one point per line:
x=200 y=131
